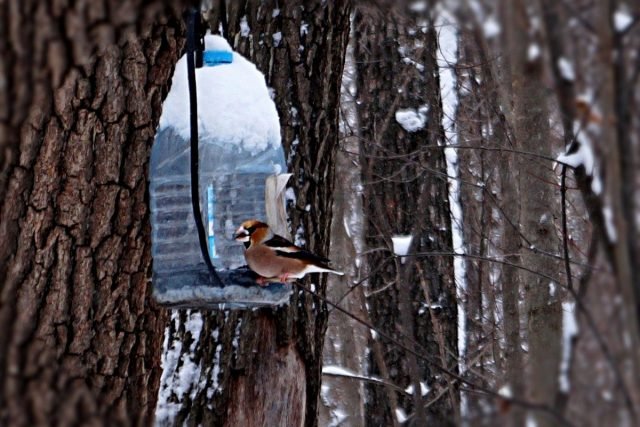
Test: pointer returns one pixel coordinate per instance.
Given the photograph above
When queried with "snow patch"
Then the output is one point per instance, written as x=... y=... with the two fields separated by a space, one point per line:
x=401 y=244
x=491 y=28
x=607 y=212
x=418 y=6
x=566 y=69
x=401 y=415
x=533 y=52
x=505 y=391
x=583 y=156
x=622 y=20
x=245 y=30
x=412 y=120
x=234 y=106
x=447 y=58
x=424 y=389
x=277 y=38
x=569 y=330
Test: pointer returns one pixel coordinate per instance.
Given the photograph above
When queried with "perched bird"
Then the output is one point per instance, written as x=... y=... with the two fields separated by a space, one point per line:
x=273 y=256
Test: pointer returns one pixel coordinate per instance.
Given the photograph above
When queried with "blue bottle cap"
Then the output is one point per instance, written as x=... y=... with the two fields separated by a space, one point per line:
x=211 y=58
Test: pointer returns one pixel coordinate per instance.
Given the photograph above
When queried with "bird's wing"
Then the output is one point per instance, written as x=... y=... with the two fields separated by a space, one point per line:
x=305 y=256
x=279 y=243
x=285 y=248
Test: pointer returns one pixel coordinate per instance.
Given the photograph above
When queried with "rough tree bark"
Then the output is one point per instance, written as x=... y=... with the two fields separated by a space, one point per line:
x=539 y=198
x=81 y=87
x=263 y=367
x=405 y=192
x=479 y=173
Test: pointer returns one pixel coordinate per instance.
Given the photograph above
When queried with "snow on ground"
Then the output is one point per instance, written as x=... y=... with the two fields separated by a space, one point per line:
x=233 y=102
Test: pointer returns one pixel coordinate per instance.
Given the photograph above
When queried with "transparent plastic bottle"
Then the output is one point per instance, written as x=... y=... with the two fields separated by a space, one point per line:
x=232 y=188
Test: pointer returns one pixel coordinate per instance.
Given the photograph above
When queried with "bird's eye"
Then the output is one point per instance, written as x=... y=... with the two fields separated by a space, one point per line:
x=251 y=229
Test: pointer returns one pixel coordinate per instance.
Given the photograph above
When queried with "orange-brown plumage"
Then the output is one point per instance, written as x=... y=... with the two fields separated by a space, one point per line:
x=273 y=256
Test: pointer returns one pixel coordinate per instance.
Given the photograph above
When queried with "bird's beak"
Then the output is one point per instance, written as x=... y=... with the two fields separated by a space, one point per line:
x=241 y=235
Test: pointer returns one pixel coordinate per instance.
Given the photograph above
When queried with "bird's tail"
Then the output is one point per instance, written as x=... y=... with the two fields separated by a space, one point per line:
x=323 y=269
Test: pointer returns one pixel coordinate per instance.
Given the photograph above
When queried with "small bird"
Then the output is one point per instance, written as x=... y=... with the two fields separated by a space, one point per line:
x=272 y=256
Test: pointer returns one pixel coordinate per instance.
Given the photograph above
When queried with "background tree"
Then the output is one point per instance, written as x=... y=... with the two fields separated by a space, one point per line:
x=80 y=98
x=405 y=193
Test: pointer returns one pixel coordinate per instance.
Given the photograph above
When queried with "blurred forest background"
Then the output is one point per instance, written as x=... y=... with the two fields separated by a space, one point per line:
x=502 y=135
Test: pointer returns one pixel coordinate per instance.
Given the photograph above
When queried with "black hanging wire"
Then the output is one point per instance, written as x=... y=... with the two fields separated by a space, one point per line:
x=195 y=48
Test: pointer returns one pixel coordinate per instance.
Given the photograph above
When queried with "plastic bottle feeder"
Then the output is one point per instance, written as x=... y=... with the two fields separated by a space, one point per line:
x=240 y=177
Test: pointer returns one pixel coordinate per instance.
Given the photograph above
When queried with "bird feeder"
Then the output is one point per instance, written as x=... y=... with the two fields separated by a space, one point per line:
x=240 y=176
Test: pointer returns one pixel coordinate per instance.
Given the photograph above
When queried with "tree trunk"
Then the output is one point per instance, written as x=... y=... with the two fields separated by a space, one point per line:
x=539 y=198
x=405 y=192
x=262 y=367
x=82 y=87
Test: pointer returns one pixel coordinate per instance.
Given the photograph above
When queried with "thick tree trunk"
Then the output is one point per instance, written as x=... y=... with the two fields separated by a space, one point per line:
x=405 y=192
x=272 y=357
x=540 y=199
x=81 y=92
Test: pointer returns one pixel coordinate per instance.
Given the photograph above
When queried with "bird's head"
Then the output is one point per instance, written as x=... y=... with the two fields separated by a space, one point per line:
x=252 y=231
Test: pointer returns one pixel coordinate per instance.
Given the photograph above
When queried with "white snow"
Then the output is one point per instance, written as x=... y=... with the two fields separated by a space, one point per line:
x=277 y=38
x=491 y=28
x=533 y=52
x=337 y=417
x=418 y=6
x=607 y=212
x=401 y=244
x=234 y=106
x=566 y=69
x=304 y=29
x=337 y=370
x=552 y=289
x=505 y=391
x=410 y=119
x=401 y=415
x=621 y=20
x=447 y=58
x=424 y=389
x=569 y=330
x=583 y=156
x=244 y=27
x=187 y=379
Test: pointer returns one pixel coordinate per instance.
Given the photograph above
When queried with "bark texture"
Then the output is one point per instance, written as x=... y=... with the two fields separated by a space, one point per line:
x=80 y=97
x=272 y=356
x=540 y=209
x=405 y=192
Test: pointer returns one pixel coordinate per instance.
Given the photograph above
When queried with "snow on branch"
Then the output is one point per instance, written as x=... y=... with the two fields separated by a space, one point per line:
x=580 y=154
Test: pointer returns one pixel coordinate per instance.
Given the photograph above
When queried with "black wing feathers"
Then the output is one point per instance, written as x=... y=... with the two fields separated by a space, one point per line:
x=286 y=249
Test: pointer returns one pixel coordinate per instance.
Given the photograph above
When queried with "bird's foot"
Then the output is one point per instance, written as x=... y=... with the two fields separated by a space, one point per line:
x=262 y=282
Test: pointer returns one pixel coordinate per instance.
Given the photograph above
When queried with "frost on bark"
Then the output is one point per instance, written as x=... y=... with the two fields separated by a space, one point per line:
x=81 y=87
x=405 y=192
x=262 y=367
